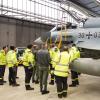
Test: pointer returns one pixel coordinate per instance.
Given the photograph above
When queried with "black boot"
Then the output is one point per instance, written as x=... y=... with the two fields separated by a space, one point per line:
x=64 y=94
x=4 y=81
x=10 y=84
x=59 y=95
x=73 y=84
x=28 y=87
x=45 y=92
x=52 y=82
x=1 y=82
x=77 y=82
x=37 y=82
x=14 y=85
x=33 y=81
x=17 y=77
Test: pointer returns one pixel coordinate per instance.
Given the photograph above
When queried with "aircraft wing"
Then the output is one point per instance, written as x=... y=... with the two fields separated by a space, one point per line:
x=89 y=45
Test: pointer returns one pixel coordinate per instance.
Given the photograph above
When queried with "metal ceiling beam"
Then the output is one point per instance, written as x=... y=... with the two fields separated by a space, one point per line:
x=73 y=16
x=31 y=15
x=89 y=3
x=85 y=8
x=94 y=7
x=80 y=7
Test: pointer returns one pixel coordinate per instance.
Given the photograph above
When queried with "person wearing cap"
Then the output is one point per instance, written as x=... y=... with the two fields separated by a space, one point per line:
x=61 y=72
x=2 y=64
x=11 y=63
x=28 y=62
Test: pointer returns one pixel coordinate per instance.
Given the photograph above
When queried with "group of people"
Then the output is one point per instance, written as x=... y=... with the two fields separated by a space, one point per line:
x=60 y=63
x=47 y=59
x=9 y=59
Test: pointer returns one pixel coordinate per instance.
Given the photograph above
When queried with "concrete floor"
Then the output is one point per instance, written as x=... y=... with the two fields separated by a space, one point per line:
x=89 y=89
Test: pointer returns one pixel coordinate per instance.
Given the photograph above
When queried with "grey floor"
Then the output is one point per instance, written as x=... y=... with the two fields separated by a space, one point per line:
x=89 y=89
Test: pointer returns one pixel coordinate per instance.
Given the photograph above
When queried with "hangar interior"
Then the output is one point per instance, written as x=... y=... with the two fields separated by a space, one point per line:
x=22 y=21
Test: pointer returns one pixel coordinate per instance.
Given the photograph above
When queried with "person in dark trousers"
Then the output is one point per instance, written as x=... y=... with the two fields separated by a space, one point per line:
x=16 y=67
x=75 y=53
x=28 y=62
x=2 y=64
x=54 y=50
x=11 y=63
x=61 y=72
x=51 y=51
x=43 y=60
x=35 y=75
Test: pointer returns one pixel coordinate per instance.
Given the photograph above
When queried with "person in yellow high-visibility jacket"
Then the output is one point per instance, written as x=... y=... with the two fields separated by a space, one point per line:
x=28 y=62
x=61 y=72
x=74 y=54
x=11 y=63
x=16 y=67
x=2 y=64
x=53 y=52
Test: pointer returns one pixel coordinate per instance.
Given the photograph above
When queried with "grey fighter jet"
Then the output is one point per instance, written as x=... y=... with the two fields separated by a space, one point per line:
x=87 y=38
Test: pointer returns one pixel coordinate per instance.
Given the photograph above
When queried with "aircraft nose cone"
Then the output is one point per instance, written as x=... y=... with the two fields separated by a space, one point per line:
x=45 y=36
x=38 y=41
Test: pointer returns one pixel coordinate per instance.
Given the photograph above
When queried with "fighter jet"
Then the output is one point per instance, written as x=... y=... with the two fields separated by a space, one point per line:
x=87 y=38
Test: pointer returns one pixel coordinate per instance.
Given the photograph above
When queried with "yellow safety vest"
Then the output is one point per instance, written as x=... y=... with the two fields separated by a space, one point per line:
x=28 y=58
x=62 y=67
x=2 y=57
x=53 y=54
x=74 y=53
x=77 y=54
x=11 y=58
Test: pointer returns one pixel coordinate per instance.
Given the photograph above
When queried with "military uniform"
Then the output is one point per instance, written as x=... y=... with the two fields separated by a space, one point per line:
x=61 y=73
x=28 y=62
x=2 y=65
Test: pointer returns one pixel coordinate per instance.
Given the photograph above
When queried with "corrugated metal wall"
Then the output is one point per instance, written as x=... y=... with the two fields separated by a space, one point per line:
x=20 y=32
